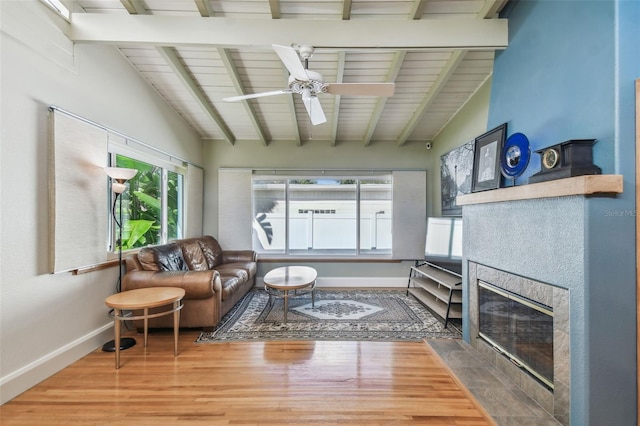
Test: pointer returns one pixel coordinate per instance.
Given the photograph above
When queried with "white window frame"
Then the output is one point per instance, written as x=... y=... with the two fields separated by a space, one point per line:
x=58 y=7
x=409 y=228
x=165 y=166
x=358 y=251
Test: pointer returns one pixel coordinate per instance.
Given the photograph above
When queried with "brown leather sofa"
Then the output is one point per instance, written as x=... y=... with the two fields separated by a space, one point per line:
x=214 y=279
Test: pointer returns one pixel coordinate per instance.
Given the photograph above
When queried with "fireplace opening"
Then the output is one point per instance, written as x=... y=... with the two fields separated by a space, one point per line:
x=519 y=328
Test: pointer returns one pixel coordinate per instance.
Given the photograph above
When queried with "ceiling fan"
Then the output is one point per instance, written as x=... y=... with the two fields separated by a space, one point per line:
x=309 y=83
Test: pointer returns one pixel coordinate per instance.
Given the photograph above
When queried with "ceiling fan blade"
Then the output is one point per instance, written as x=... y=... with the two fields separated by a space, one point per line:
x=314 y=109
x=361 y=89
x=290 y=59
x=255 y=95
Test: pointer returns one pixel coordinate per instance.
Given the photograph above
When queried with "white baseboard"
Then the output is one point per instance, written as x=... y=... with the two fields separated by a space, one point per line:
x=15 y=383
x=368 y=282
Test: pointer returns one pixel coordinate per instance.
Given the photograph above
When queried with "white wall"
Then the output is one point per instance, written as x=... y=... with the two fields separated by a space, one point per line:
x=48 y=321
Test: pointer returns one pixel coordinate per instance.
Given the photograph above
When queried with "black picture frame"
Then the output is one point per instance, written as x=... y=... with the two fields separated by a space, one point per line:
x=486 y=159
x=456 y=169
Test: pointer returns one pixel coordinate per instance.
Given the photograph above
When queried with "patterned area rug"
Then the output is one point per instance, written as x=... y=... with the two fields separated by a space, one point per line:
x=375 y=315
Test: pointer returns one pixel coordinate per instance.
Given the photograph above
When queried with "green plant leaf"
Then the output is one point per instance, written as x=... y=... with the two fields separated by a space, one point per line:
x=135 y=229
x=150 y=201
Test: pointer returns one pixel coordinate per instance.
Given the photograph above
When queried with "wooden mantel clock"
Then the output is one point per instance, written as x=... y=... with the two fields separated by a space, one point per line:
x=566 y=159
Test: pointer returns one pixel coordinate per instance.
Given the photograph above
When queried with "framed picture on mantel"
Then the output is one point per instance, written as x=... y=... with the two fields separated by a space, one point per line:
x=486 y=159
x=456 y=168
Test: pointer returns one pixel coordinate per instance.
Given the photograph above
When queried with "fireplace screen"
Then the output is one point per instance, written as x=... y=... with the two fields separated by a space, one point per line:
x=519 y=328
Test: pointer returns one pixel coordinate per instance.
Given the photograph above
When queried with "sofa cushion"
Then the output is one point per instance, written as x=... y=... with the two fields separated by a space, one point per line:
x=230 y=284
x=167 y=257
x=193 y=255
x=243 y=270
x=211 y=250
x=239 y=273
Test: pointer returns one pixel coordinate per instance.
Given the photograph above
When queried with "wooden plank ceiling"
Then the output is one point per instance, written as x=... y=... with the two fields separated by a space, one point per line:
x=197 y=52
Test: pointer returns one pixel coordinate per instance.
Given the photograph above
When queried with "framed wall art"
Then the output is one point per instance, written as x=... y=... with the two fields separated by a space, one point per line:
x=456 y=167
x=486 y=159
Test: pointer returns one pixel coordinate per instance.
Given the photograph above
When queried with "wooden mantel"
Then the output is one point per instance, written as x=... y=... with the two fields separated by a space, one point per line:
x=579 y=185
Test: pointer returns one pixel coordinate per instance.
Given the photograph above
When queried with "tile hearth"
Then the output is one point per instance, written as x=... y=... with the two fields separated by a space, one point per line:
x=507 y=404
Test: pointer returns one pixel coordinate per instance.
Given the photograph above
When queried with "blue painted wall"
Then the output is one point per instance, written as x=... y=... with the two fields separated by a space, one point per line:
x=555 y=81
x=569 y=73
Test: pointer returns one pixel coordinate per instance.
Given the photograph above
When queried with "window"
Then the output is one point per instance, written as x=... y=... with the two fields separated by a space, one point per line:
x=322 y=216
x=375 y=215
x=59 y=8
x=444 y=237
x=152 y=205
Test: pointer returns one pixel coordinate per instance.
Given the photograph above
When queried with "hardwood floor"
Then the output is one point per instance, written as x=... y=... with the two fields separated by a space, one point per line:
x=255 y=383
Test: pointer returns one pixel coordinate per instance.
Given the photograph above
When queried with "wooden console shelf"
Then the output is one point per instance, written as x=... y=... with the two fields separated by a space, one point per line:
x=579 y=185
x=438 y=289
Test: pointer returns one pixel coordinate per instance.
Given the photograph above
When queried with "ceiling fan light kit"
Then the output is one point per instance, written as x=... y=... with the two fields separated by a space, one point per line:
x=309 y=84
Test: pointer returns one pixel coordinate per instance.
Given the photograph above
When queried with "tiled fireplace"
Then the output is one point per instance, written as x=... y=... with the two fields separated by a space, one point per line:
x=542 y=242
x=550 y=389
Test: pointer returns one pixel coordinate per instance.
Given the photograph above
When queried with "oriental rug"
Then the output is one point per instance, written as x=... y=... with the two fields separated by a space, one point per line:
x=340 y=315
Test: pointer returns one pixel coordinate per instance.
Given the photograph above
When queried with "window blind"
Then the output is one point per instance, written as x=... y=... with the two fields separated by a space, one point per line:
x=234 y=209
x=409 y=226
x=78 y=196
x=194 y=202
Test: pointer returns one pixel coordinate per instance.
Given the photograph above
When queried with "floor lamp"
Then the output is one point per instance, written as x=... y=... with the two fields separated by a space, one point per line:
x=119 y=176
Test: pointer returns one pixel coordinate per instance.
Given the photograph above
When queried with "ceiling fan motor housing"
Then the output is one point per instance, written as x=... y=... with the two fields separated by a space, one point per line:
x=306 y=51
x=315 y=83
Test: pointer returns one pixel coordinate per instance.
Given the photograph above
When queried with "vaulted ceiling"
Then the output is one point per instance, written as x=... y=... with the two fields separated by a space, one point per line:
x=196 y=52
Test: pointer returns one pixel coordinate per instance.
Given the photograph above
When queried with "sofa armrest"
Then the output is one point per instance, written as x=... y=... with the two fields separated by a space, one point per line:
x=197 y=284
x=233 y=256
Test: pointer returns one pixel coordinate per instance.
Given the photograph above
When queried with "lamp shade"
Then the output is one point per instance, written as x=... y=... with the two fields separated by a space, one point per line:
x=118 y=187
x=120 y=173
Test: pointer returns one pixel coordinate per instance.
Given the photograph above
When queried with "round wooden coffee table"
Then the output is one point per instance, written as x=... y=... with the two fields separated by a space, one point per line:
x=289 y=278
x=145 y=299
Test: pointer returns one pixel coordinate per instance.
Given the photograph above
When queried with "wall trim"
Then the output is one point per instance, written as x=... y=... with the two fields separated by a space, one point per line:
x=13 y=384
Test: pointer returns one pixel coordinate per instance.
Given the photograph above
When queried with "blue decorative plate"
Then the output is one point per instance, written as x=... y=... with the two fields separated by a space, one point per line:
x=515 y=155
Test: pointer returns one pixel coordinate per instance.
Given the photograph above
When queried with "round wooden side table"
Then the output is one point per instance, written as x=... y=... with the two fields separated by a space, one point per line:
x=145 y=299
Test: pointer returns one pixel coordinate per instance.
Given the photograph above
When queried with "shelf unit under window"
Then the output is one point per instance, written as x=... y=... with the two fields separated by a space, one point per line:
x=438 y=289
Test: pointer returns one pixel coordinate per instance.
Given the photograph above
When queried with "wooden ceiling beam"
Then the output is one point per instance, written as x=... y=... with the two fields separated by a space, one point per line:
x=454 y=60
x=134 y=7
x=346 y=14
x=490 y=8
x=170 y=56
x=203 y=8
x=417 y=9
x=274 y=6
x=227 y=60
x=346 y=9
x=396 y=65
x=336 y=99
x=163 y=30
